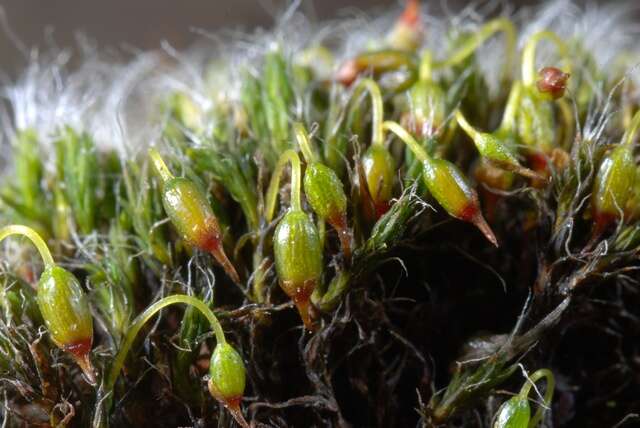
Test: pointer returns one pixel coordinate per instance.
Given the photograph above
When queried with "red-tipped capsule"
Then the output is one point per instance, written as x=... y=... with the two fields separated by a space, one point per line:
x=66 y=314
x=552 y=81
x=453 y=192
x=298 y=256
x=227 y=379
x=191 y=214
x=62 y=303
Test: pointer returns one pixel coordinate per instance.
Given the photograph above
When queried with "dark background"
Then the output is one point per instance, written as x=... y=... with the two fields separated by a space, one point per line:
x=144 y=23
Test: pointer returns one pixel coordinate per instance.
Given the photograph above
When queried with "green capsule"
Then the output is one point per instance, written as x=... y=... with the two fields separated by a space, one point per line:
x=428 y=108
x=494 y=149
x=326 y=196
x=514 y=413
x=454 y=193
x=66 y=314
x=612 y=187
x=379 y=170
x=535 y=122
x=298 y=257
x=190 y=212
x=227 y=375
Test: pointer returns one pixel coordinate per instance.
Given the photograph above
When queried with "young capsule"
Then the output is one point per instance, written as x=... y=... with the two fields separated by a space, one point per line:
x=447 y=184
x=494 y=149
x=516 y=412
x=427 y=101
x=298 y=256
x=614 y=182
x=62 y=303
x=191 y=214
x=297 y=249
x=324 y=191
x=379 y=171
x=227 y=379
x=612 y=187
x=377 y=163
x=65 y=310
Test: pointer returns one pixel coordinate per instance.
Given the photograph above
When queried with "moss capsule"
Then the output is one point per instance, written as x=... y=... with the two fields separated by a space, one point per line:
x=379 y=170
x=453 y=192
x=514 y=413
x=298 y=257
x=66 y=314
x=191 y=214
x=227 y=375
x=552 y=82
x=494 y=149
x=428 y=108
x=326 y=196
x=612 y=187
x=62 y=303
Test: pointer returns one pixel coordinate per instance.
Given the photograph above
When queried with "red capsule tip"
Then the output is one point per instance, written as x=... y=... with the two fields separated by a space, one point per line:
x=553 y=82
x=232 y=404
x=473 y=215
x=80 y=351
x=411 y=14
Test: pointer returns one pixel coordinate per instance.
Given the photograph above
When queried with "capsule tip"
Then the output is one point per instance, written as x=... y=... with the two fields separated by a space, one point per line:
x=231 y=404
x=479 y=222
x=84 y=362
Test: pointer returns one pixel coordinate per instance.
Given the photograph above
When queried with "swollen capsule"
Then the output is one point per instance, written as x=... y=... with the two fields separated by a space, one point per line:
x=190 y=213
x=62 y=303
x=66 y=314
x=298 y=257
x=227 y=379
x=326 y=196
x=494 y=149
x=428 y=108
x=379 y=170
x=453 y=192
x=514 y=413
x=612 y=187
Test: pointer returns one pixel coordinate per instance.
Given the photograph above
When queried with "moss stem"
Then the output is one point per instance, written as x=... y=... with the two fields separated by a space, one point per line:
x=489 y=29
x=377 y=107
x=405 y=137
x=548 y=393
x=34 y=237
x=141 y=320
x=272 y=193
x=160 y=166
x=302 y=137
